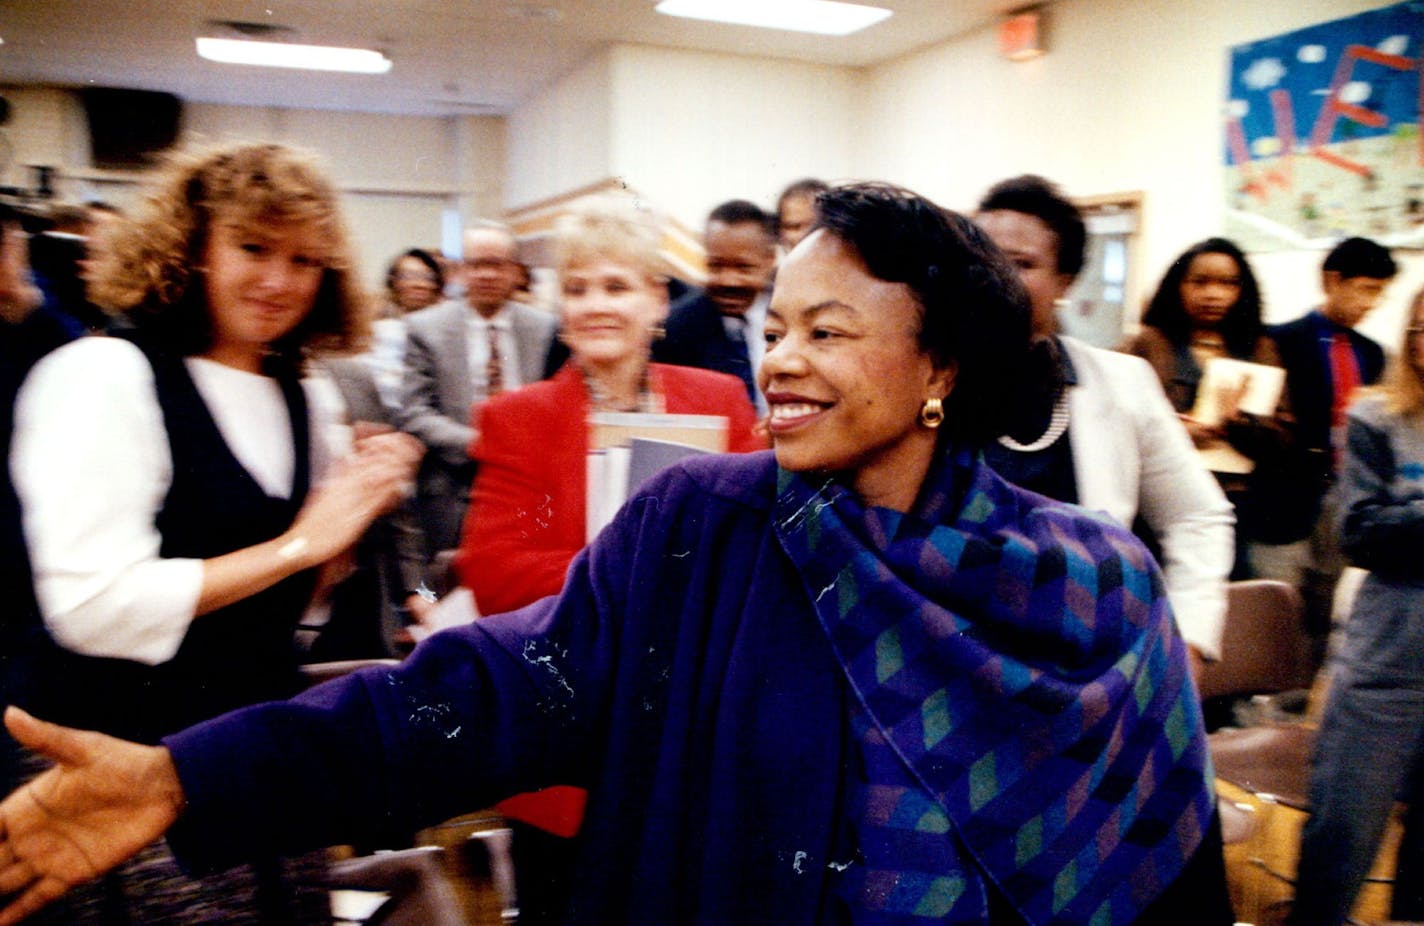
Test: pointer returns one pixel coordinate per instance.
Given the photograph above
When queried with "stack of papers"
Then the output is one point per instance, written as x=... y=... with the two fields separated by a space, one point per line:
x=1260 y=386
x=626 y=449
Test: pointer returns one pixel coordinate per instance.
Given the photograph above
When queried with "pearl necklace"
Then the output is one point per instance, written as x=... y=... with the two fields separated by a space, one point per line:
x=1057 y=424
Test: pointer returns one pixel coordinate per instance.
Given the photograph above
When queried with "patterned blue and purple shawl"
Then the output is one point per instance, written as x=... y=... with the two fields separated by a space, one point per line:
x=1021 y=700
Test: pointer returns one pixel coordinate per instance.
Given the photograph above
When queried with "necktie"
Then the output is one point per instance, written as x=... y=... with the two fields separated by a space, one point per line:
x=1344 y=373
x=736 y=328
x=494 y=368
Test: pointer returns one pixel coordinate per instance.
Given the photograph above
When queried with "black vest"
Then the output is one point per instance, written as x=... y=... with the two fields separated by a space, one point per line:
x=235 y=656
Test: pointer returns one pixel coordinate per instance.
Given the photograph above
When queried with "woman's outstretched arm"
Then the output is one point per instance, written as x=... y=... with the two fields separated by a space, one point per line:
x=104 y=799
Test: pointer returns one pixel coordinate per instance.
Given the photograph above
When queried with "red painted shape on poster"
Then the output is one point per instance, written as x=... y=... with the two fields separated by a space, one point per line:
x=1334 y=107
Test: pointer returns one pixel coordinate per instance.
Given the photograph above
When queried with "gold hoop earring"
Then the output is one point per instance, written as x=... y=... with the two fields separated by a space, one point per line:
x=658 y=332
x=932 y=413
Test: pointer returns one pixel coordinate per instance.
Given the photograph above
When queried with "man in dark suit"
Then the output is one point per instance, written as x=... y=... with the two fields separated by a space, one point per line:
x=1325 y=360
x=721 y=327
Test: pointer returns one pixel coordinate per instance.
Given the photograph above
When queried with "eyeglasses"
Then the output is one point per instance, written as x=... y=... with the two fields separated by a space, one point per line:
x=429 y=278
x=488 y=263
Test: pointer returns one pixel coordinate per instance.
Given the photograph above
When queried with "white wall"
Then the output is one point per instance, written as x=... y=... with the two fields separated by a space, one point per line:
x=479 y=168
x=398 y=174
x=560 y=139
x=686 y=129
x=46 y=127
x=1128 y=98
x=693 y=129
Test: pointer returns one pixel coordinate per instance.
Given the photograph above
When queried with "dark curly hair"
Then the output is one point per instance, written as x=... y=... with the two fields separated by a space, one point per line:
x=422 y=255
x=151 y=269
x=1240 y=328
x=809 y=187
x=974 y=311
x=1032 y=195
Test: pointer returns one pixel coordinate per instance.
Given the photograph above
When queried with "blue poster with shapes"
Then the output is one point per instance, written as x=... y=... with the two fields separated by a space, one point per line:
x=1322 y=133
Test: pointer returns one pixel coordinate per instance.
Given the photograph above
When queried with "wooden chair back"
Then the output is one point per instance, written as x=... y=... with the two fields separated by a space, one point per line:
x=1261 y=649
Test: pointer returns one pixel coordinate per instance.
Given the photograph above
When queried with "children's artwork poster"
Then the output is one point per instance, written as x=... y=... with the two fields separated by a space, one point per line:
x=1322 y=134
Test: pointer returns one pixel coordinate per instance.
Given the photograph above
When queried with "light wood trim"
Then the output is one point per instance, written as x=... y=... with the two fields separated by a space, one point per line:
x=1132 y=199
x=606 y=185
x=1133 y=297
x=680 y=245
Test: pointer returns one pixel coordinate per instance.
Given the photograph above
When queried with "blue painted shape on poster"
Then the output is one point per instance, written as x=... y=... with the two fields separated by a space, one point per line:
x=1303 y=63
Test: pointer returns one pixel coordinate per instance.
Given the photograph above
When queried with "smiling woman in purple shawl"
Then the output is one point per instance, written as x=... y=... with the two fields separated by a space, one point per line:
x=861 y=680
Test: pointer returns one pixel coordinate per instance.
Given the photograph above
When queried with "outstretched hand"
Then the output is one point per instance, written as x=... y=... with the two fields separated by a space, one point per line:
x=104 y=800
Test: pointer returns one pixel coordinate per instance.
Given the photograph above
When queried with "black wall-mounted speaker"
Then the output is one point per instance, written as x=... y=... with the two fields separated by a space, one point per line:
x=128 y=128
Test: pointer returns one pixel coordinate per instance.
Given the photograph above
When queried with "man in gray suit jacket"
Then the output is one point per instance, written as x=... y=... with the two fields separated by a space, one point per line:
x=368 y=609
x=458 y=353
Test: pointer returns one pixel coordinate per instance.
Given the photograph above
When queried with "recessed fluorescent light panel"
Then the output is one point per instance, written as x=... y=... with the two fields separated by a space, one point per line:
x=823 y=17
x=287 y=55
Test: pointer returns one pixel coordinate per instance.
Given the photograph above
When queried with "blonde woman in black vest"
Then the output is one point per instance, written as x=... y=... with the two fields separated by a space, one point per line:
x=180 y=501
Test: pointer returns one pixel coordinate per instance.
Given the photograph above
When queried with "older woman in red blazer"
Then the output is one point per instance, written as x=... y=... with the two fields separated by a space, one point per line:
x=527 y=508
x=526 y=519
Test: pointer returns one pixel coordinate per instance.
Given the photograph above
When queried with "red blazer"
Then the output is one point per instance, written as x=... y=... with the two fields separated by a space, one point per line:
x=527 y=508
x=526 y=520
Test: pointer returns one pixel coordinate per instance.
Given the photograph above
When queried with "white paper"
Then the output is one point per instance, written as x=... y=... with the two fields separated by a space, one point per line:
x=612 y=434
x=1264 y=384
x=1262 y=396
x=607 y=488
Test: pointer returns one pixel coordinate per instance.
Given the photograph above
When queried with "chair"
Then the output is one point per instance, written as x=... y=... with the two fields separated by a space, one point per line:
x=429 y=885
x=314 y=673
x=1264 y=770
x=1260 y=655
x=1261 y=643
x=418 y=889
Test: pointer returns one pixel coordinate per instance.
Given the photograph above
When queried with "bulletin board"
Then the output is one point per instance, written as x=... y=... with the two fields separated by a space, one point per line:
x=1322 y=135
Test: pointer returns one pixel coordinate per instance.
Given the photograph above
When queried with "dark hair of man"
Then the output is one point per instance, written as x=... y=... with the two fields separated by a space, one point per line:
x=1360 y=257
x=806 y=186
x=1040 y=198
x=974 y=311
x=1240 y=328
x=742 y=211
x=425 y=257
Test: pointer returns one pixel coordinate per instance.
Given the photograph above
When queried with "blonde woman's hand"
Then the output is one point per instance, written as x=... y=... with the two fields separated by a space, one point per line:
x=360 y=487
x=400 y=448
x=104 y=799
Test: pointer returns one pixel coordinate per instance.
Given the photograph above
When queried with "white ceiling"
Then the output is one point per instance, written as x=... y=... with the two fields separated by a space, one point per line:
x=451 y=57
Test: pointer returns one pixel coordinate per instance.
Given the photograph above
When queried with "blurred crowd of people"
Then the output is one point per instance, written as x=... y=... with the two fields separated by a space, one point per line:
x=225 y=459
